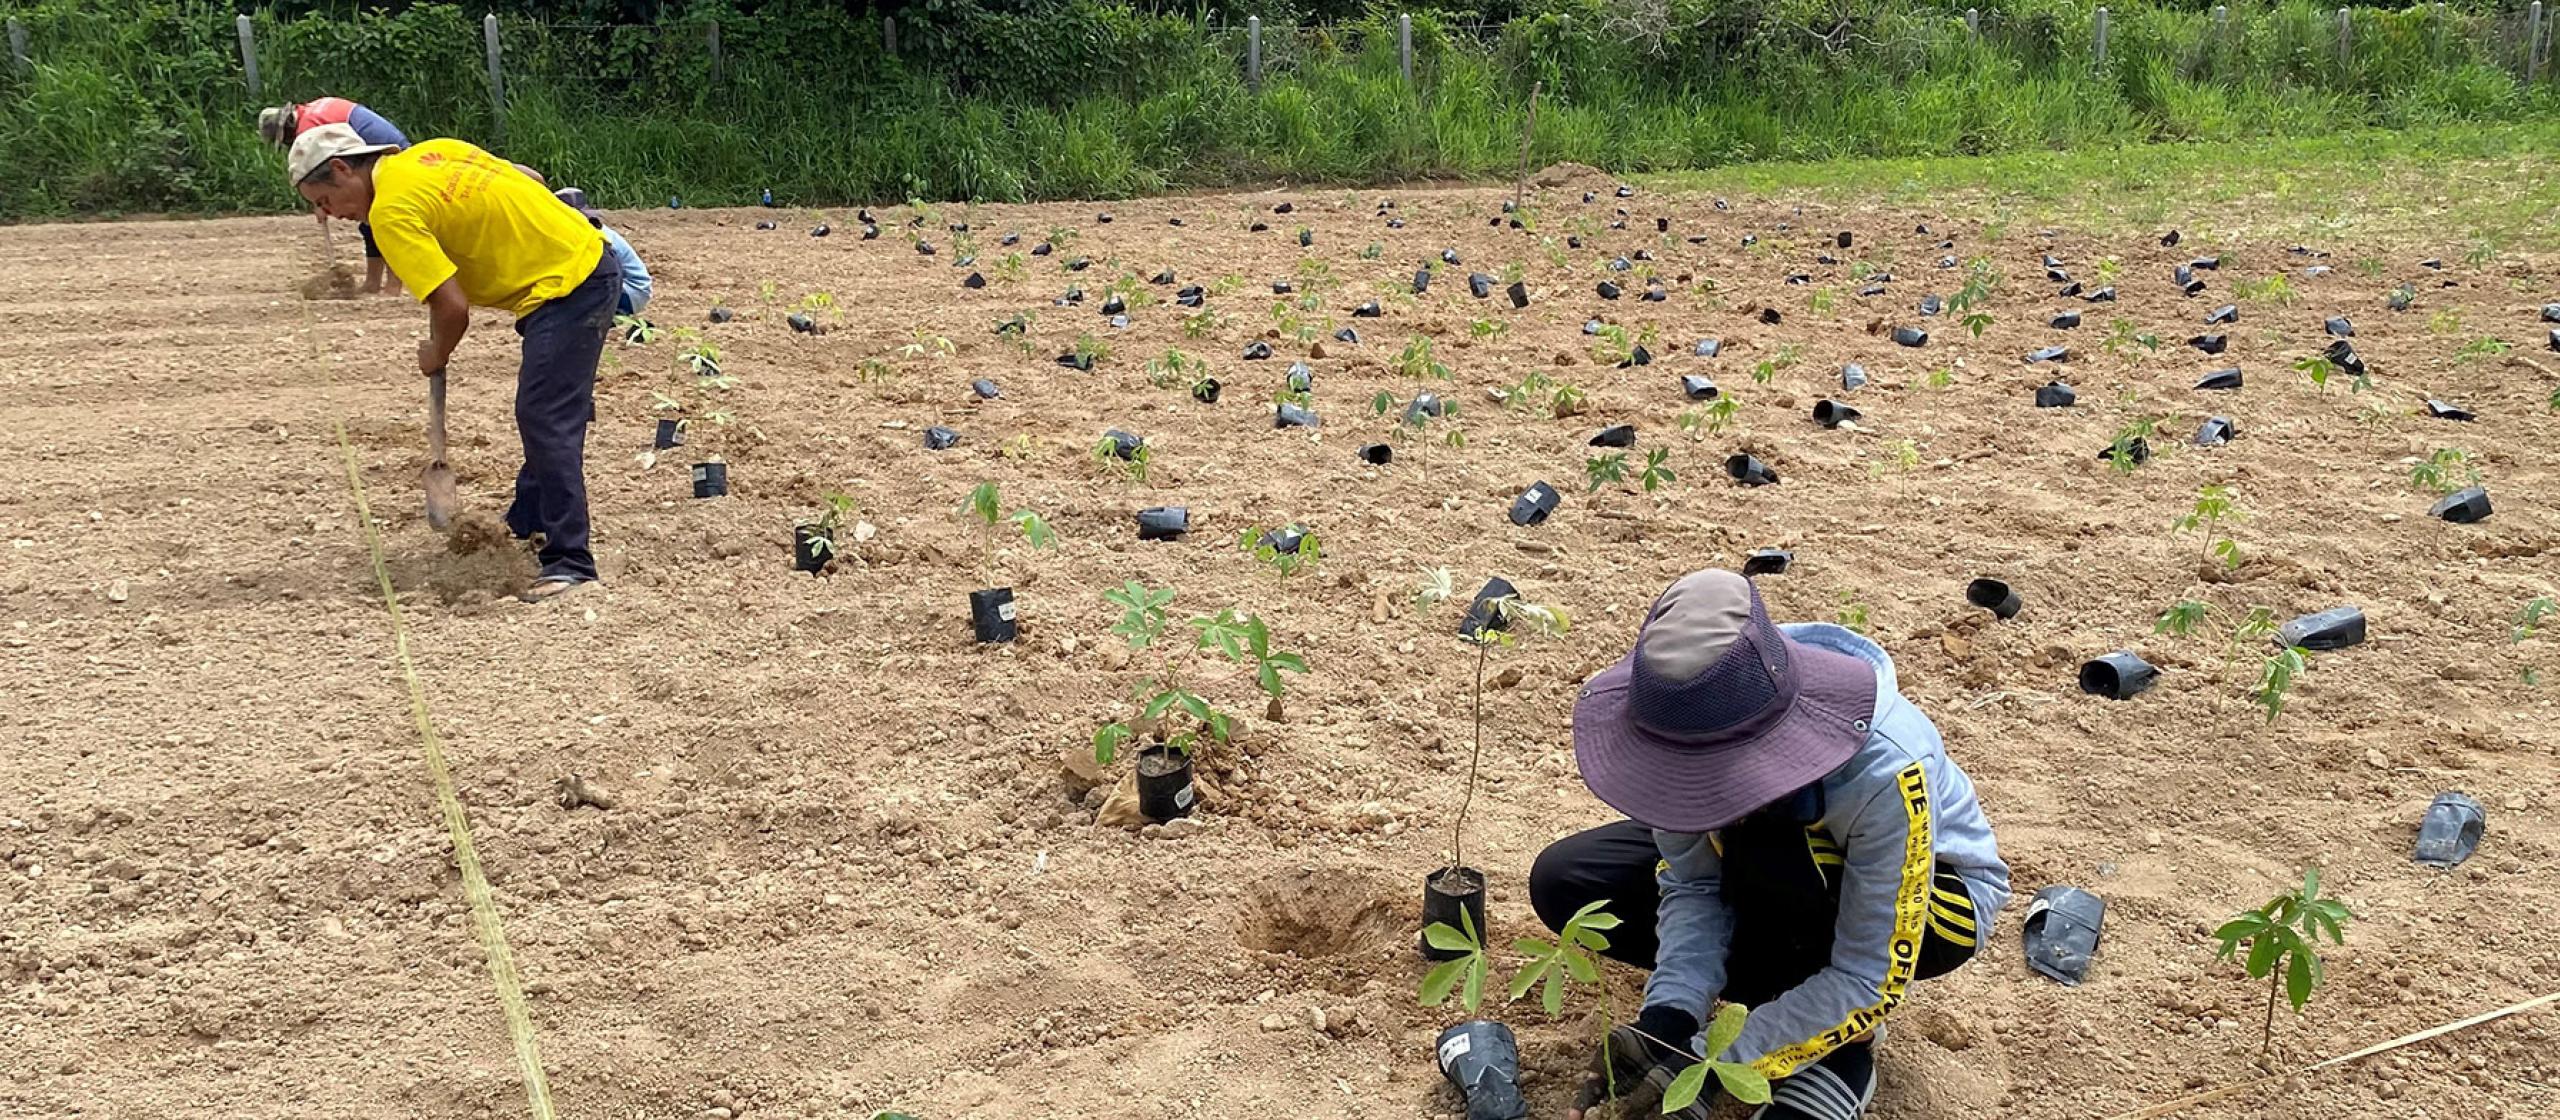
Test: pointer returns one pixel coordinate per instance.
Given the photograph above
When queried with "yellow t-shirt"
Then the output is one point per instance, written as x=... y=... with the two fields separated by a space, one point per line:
x=445 y=210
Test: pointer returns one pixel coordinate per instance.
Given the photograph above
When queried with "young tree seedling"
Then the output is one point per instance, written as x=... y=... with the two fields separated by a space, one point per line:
x=836 y=505
x=1568 y=401
x=2529 y=623
x=2181 y=619
x=1142 y=621
x=1853 y=614
x=1507 y=619
x=1106 y=455
x=1604 y=470
x=2432 y=475
x=1657 y=470
x=984 y=507
x=1416 y=361
x=1286 y=563
x=635 y=330
x=2277 y=676
x=1568 y=958
x=2214 y=505
x=1463 y=975
x=1738 y=1078
x=2283 y=937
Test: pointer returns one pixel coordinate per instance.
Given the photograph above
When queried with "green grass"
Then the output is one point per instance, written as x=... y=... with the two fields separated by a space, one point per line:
x=2390 y=184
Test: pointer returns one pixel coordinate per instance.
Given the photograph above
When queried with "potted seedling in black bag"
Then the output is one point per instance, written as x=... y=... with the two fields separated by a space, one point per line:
x=813 y=543
x=1498 y=618
x=991 y=611
x=1176 y=716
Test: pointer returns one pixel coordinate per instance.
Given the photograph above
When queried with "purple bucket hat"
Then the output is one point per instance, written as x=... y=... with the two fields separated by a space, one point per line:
x=1715 y=713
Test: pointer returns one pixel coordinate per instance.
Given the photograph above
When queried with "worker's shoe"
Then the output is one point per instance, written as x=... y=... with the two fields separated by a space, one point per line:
x=1839 y=1087
x=552 y=587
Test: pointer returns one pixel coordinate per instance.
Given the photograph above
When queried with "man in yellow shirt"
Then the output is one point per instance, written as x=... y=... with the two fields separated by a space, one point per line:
x=463 y=228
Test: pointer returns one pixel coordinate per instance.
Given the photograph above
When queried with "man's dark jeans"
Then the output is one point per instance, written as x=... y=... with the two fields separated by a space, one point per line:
x=555 y=401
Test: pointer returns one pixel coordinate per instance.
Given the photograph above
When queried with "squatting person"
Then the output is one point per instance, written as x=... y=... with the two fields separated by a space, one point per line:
x=281 y=124
x=1798 y=842
x=462 y=228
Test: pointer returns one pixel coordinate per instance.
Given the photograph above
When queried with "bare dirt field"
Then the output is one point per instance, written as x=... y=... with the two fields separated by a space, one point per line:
x=843 y=869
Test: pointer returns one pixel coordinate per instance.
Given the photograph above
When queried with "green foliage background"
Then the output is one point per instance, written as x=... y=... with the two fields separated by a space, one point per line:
x=139 y=104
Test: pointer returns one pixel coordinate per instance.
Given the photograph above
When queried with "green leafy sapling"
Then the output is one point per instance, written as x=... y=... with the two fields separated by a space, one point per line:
x=1416 y=361
x=1263 y=545
x=2181 y=619
x=2276 y=677
x=1568 y=958
x=1507 y=618
x=635 y=330
x=1461 y=976
x=1181 y=715
x=2444 y=471
x=2529 y=623
x=1853 y=614
x=1657 y=471
x=1745 y=1083
x=835 y=506
x=1568 y=401
x=2320 y=369
x=983 y=505
x=1131 y=467
x=2214 y=505
x=2283 y=937
x=1604 y=470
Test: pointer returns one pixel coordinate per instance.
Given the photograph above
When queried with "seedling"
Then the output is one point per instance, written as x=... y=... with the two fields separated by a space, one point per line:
x=1416 y=361
x=1106 y=454
x=2135 y=431
x=1821 y=301
x=983 y=506
x=2445 y=321
x=1286 y=563
x=1942 y=377
x=1568 y=958
x=2130 y=344
x=2529 y=623
x=1657 y=471
x=1487 y=328
x=2283 y=937
x=1373 y=252
x=822 y=542
x=1722 y=413
x=2213 y=506
x=635 y=330
x=2272 y=290
x=2444 y=471
x=1462 y=975
x=1976 y=321
x=1980 y=278
x=1020 y=448
x=2277 y=676
x=1853 y=614
x=1175 y=368
x=1246 y=640
x=2181 y=619
x=1202 y=323
x=1437 y=585
x=1606 y=469
x=1011 y=268
x=2320 y=369
x=1568 y=401
x=1614 y=347
x=1091 y=350
x=1739 y=1079
x=2484 y=346
x=1180 y=716
x=2401 y=297
x=703 y=359
x=1525 y=394
x=1507 y=619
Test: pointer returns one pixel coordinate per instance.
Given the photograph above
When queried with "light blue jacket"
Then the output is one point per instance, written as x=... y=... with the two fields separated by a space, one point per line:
x=1899 y=808
x=636 y=286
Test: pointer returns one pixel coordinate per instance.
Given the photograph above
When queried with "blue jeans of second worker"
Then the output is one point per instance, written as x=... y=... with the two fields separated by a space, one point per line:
x=555 y=401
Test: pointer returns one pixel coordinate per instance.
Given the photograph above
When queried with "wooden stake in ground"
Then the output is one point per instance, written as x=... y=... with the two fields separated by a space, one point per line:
x=1520 y=186
x=443 y=494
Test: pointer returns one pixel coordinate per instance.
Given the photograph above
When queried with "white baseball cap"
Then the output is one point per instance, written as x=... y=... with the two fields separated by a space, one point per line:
x=316 y=147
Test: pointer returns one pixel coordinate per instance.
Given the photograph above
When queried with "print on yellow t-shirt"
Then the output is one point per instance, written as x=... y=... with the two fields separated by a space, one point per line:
x=445 y=210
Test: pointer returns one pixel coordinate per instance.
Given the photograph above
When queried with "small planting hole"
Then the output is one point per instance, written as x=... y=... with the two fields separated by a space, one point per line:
x=1310 y=915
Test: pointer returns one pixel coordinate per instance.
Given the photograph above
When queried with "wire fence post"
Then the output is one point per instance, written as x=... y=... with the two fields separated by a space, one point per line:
x=2533 y=43
x=889 y=35
x=497 y=75
x=2343 y=48
x=18 y=48
x=249 y=56
x=1253 y=53
x=1404 y=46
x=711 y=37
x=1973 y=22
x=2101 y=44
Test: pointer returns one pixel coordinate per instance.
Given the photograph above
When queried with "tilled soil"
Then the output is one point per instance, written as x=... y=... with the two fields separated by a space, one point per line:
x=844 y=868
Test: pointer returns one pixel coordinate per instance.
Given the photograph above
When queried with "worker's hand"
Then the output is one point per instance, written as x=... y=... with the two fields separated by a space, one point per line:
x=1620 y=1069
x=430 y=362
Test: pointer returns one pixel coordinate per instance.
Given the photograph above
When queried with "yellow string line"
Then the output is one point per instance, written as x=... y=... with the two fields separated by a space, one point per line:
x=485 y=919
